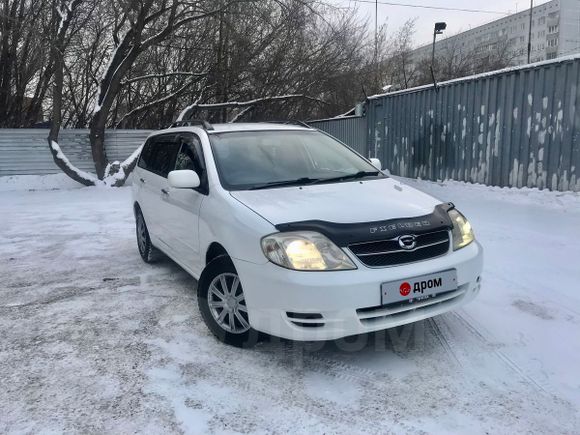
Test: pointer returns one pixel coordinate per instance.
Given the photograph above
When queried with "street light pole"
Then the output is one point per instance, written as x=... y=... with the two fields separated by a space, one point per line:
x=377 y=44
x=530 y=32
x=438 y=30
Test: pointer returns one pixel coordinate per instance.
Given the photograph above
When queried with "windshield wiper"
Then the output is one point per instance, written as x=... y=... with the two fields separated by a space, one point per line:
x=308 y=180
x=296 y=182
x=356 y=175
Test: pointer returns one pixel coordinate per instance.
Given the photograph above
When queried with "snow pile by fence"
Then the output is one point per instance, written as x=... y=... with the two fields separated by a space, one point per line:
x=37 y=182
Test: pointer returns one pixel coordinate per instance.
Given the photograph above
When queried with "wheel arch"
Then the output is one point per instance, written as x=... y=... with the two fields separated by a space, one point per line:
x=214 y=251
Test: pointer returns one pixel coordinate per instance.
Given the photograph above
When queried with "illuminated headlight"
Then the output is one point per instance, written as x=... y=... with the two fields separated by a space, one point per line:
x=305 y=250
x=462 y=232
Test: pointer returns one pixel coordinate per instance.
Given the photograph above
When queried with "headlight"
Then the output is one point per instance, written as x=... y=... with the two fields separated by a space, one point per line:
x=305 y=250
x=462 y=232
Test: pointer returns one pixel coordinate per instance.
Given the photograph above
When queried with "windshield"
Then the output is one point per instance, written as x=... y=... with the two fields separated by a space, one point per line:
x=274 y=158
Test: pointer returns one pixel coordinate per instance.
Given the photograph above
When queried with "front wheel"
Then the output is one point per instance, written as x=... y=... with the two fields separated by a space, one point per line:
x=223 y=306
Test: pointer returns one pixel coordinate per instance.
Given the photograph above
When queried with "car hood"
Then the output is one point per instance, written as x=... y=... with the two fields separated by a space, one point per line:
x=348 y=202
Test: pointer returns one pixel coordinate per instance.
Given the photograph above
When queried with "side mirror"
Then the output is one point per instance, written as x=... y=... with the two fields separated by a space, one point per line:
x=376 y=163
x=183 y=179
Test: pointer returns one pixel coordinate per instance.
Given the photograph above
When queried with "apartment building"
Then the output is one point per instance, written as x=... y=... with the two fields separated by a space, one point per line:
x=555 y=32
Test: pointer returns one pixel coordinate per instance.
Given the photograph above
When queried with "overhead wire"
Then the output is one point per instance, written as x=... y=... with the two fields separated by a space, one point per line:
x=441 y=8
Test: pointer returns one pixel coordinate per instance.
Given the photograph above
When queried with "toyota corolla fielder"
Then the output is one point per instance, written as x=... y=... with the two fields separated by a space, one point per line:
x=291 y=233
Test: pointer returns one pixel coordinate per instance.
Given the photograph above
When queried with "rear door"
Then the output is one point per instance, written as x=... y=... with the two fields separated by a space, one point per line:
x=145 y=196
x=157 y=159
x=184 y=204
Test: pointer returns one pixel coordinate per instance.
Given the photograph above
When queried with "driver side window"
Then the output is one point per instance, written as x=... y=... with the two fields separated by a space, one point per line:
x=185 y=158
x=190 y=157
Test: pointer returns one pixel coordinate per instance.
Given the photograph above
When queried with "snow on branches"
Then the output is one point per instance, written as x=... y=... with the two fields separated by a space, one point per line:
x=116 y=173
x=245 y=105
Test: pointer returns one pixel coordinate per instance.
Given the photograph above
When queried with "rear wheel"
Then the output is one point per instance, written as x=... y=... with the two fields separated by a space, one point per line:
x=222 y=304
x=148 y=252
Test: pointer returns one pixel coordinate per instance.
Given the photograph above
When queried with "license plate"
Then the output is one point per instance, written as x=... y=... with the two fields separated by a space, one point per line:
x=419 y=287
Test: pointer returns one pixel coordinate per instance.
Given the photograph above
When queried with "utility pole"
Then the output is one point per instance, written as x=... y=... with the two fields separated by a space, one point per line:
x=530 y=32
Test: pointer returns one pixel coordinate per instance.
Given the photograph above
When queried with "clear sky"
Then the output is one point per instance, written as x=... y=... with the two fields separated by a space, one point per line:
x=457 y=21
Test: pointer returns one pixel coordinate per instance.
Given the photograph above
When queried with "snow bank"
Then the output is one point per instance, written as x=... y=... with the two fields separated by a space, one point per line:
x=525 y=196
x=37 y=182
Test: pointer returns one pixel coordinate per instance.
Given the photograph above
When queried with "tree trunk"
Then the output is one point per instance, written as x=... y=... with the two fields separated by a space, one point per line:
x=58 y=61
x=97 y=139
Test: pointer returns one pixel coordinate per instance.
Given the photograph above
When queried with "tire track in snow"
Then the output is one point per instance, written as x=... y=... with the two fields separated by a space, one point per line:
x=284 y=392
x=443 y=339
x=366 y=379
x=511 y=364
x=515 y=284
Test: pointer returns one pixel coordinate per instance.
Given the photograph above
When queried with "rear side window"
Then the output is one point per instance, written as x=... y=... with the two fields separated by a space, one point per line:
x=146 y=157
x=159 y=154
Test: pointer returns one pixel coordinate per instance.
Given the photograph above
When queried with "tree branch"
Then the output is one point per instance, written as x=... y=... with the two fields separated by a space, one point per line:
x=241 y=114
x=154 y=103
x=153 y=76
x=214 y=106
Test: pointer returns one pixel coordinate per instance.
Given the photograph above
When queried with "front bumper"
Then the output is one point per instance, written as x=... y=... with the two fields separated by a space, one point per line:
x=331 y=305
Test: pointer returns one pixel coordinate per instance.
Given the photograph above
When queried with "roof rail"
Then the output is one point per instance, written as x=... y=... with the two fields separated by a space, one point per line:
x=291 y=121
x=191 y=123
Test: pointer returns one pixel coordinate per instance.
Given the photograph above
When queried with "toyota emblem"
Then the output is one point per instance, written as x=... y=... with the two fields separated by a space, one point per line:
x=407 y=242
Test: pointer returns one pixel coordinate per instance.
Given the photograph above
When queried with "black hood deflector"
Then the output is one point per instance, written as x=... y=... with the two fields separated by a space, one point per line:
x=346 y=234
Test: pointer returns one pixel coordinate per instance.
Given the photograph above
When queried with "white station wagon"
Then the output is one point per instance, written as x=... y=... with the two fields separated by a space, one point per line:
x=289 y=232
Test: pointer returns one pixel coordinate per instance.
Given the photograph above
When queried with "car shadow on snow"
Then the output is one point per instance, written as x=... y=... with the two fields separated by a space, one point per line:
x=379 y=351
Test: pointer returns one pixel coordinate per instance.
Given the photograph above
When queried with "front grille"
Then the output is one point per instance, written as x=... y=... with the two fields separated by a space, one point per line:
x=388 y=252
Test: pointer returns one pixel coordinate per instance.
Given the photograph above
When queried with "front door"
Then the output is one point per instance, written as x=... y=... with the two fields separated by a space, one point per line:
x=184 y=204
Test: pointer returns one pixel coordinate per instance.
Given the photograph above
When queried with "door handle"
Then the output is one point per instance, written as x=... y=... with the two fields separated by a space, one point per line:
x=164 y=191
x=142 y=180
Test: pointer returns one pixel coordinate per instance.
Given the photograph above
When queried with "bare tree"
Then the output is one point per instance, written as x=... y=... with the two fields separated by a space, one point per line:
x=137 y=63
x=453 y=61
x=66 y=12
x=403 y=68
x=24 y=70
x=136 y=27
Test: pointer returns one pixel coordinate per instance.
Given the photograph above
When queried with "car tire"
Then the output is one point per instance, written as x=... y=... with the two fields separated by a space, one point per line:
x=222 y=305
x=148 y=252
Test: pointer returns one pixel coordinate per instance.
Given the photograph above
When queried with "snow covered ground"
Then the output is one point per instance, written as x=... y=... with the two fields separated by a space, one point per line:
x=94 y=340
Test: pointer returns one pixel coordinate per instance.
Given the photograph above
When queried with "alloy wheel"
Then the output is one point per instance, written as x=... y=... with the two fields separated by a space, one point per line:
x=227 y=304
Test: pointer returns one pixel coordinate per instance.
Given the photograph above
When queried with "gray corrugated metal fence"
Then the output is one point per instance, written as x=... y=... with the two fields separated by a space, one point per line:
x=518 y=127
x=351 y=130
x=25 y=151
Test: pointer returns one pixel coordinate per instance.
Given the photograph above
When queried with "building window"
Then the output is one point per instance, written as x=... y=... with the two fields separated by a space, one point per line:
x=553 y=42
x=553 y=29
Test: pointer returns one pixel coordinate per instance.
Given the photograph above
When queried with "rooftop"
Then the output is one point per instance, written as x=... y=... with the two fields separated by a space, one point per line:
x=240 y=126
